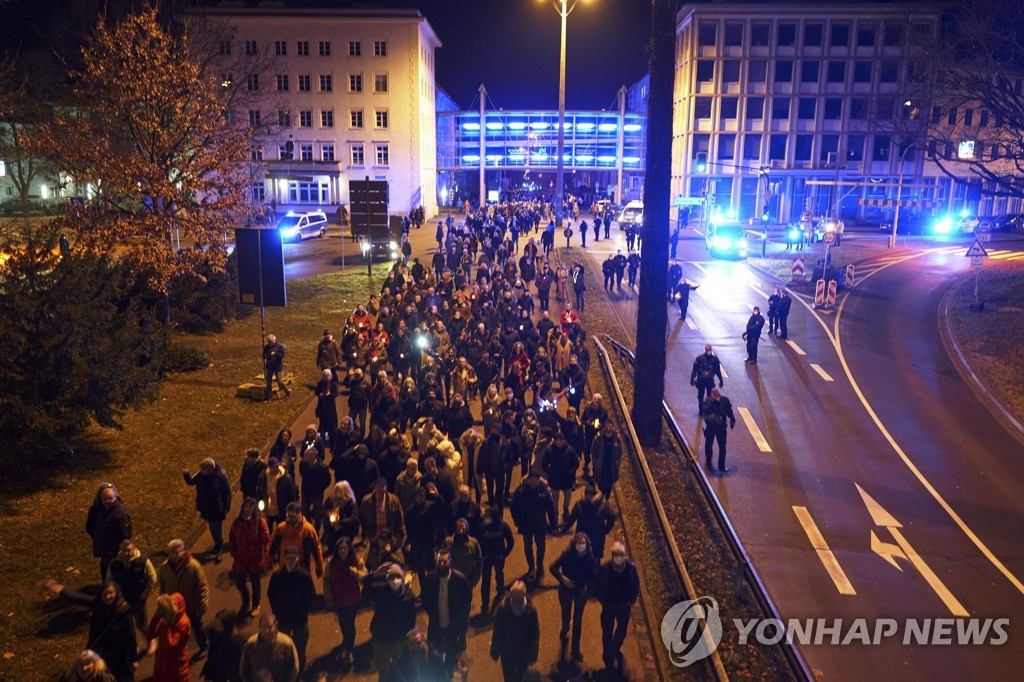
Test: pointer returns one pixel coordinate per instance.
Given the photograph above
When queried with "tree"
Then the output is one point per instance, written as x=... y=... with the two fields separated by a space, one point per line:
x=145 y=129
x=19 y=114
x=652 y=314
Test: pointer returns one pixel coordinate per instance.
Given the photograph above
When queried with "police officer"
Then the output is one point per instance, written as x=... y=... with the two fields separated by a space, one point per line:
x=633 y=268
x=784 y=303
x=673 y=242
x=681 y=292
x=706 y=367
x=607 y=225
x=630 y=237
x=773 y=312
x=753 y=335
x=675 y=273
x=717 y=411
x=608 y=270
x=620 y=268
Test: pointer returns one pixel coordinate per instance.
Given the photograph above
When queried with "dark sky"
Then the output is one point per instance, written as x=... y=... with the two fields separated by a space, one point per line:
x=511 y=46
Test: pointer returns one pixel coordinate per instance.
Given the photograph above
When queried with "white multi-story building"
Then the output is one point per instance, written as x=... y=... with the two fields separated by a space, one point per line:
x=769 y=98
x=349 y=94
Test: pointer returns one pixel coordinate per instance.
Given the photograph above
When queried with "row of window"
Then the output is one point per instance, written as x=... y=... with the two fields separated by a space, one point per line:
x=749 y=146
x=305 y=82
x=781 y=108
x=356 y=150
x=355 y=48
x=381 y=120
x=839 y=33
x=810 y=71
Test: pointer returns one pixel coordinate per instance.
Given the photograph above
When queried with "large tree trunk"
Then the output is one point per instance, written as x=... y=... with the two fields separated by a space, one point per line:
x=652 y=314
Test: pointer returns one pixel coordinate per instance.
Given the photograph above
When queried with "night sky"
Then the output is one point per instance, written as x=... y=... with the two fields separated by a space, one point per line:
x=511 y=46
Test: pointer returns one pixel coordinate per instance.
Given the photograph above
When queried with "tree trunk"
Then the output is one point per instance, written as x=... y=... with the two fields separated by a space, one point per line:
x=652 y=313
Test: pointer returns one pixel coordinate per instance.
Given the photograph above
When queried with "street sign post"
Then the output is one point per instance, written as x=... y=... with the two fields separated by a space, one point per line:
x=829 y=238
x=977 y=254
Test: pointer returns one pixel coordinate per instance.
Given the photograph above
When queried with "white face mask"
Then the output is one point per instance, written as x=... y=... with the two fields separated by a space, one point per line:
x=619 y=561
x=581 y=547
x=395 y=584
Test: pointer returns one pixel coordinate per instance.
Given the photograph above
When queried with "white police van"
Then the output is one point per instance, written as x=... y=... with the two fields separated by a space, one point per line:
x=297 y=226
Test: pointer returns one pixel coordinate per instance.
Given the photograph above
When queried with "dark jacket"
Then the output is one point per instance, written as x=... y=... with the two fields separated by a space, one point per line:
x=533 y=511
x=617 y=588
x=316 y=478
x=107 y=527
x=494 y=452
x=286 y=491
x=395 y=518
x=560 y=464
x=606 y=454
x=111 y=633
x=394 y=613
x=291 y=595
x=273 y=356
x=581 y=569
x=717 y=412
x=213 y=493
x=516 y=637
x=250 y=476
x=460 y=597
x=705 y=369
x=754 y=326
x=496 y=538
x=596 y=519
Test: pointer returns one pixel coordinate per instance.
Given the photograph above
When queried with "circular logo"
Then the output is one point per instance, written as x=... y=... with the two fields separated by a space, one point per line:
x=687 y=639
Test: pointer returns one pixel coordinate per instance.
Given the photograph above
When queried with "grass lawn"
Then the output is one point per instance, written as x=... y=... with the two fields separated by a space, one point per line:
x=196 y=415
x=990 y=340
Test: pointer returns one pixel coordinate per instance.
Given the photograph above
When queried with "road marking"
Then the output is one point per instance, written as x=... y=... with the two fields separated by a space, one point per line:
x=697 y=231
x=753 y=285
x=748 y=419
x=821 y=372
x=828 y=559
x=1016 y=256
x=690 y=324
x=724 y=375
x=798 y=349
x=699 y=267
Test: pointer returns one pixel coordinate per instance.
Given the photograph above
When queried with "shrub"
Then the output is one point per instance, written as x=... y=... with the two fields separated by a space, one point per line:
x=183 y=357
x=201 y=302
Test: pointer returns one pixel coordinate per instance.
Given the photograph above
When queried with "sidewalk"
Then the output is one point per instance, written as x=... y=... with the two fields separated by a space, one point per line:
x=325 y=636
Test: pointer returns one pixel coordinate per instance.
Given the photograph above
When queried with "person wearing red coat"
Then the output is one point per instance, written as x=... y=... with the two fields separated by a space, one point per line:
x=342 y=578
x=171 y=629
x=249 y=540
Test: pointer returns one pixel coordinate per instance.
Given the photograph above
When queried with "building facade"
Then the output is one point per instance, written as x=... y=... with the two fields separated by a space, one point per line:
x=340 y=95
x=784 y=108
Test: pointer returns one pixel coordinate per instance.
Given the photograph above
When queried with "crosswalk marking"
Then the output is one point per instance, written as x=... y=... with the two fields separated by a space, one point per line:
x=748 y=420
x=828 y=559
x=798 y=349
x=821 y=372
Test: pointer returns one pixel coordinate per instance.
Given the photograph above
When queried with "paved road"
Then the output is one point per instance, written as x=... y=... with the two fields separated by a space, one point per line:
x=808 y=441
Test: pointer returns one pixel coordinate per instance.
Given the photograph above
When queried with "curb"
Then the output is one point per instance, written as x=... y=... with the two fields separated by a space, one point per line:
x=963 y=367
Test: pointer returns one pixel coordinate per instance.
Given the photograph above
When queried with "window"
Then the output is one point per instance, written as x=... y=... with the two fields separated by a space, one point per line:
x=226 y=79
x=280 y=48
x=760 y=32
x=733 y=34
x=306 y=118
x=256 y=154
x=326 y=118
x=225 y=48
x=755 y=108
x=327 y=152
x=283 y=153
x=302 y=48
x=833 y=110
x=259 y=192
x=729 y=107
x=252 y=82
x=829 y=145
x=866 y=35
x=380 y=119
x=705 y=70
x=802 y=150
x=229 y=116
x=282 y=82
x=784 y=71
x=862 y=72
x=357 y=155
x=701 y=145
x=702 y=107
x=325 y=48
x=840 y=35
x=880 y=148
x=380 y=82
x=752 y=147
x=936 y=115
x=284 y=119
x=726 y=147
x=780 y=108
x=812 y=34
x=250 y=47
x=893 y=34
x=355 y=48
x=304 y=83
x=326 y=82
x=731 y=71
x=917 y=72
x=886 y=108
x=355 y=82
x=855 y=148
x=858 y=109
x=382 y=157
x=380 y=48
x=786 y=36
x=707 y=34
x=806 y=108
x=777 y=148
x=890 y=71
x=809 y=71
x=305 y=152
x=836 y=72
x=355 y=118
x=983 y=120
x=757 y=70
x=254 y=118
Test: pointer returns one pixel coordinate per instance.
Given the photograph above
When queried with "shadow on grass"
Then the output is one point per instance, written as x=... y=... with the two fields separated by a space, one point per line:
x=63 y=617
x=86 y=453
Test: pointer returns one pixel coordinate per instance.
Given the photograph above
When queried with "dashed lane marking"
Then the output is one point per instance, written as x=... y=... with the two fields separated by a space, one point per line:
x=755 y=432
x=821 y=372
x=690 y=323
x=796 y=348
x=828 y=559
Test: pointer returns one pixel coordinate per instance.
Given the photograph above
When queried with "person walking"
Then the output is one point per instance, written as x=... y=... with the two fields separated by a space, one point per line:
x=753 y=335
x=275 y=490
x=295 y=531
x=681 y=294
x=394 y=614
x=706 y=367
x=326 y=412
x=107 y=523
x=773 y=312
x=717 y=411
x=465 y=551
x=269 y=654
x=594 y=516
x=560 y=462
x=170 y=629
x=316 y=479
x=579 y=284
x=606 y=452
x=575 y=571
x=545 y=278
x=491 y=458
x=496 y=544
x=182 y=574
x=673 y=242
x=784 y=304
x=561 y=281
x=632 y=268
x=594 y=415
x=675 y=275
x=533 y=512
x=213 y=500
x=608 y=270
x=446 y=597
x=329 y=355
x=291 y=593
x=135 y=575
x=620 y=262
x=342 y=579
x=617 y=588
x=515 y=640
x=249 y=543
x=273 y=363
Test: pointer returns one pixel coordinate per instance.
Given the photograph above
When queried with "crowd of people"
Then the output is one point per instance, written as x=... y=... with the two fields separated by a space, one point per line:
x=447 y=399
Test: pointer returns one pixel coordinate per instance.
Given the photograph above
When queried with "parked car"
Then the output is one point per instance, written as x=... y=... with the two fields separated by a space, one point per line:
x=912 y=224
x=1008 y=222
x=967 y=224
x=296 y=226
x=726 y=240
x=629 y=213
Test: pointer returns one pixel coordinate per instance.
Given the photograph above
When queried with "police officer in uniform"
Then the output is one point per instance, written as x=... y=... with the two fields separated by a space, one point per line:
x=681 y=292
x=608 y=270
x=753 y=335
x=633 y=268
x=784 y=303
x=675 y=273
x=706 y=367
x=717 y=411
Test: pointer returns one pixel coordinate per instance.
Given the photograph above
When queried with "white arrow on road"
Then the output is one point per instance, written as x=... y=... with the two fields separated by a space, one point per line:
x=903 y=550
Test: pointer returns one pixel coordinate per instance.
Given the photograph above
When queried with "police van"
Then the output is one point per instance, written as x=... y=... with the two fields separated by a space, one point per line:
x=297 y=226
x=632 y=211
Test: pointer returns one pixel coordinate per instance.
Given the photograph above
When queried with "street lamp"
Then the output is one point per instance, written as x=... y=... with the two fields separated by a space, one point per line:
x=899 y=195
x=564 y=9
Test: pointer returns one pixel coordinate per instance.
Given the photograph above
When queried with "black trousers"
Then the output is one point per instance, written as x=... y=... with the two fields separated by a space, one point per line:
x=545 y=297
x=783 y=328
x=773 y=323
x=614 y=622
x=572 y=604
x=752 y=347
x=580 y=296
x=609 y=281
x=684 y=305
x=711 y=434
x=703 y=391
x=495 y=494
x=497 y=565
x=540 y=539
x=242 y=582
x=299 y=632
x=513 y=669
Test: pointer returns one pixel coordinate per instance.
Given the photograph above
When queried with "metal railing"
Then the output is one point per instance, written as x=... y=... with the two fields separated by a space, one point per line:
x=745 y=571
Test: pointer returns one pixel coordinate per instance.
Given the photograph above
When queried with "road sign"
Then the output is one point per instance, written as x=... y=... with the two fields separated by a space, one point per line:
x=806 y=216
x=983 y=237
x=829 y=237
x=798 y=268
x=849 y=276
x=830 y=297
x=985 y=226
x=819 y=292
x=976 y=250
x=977 y=261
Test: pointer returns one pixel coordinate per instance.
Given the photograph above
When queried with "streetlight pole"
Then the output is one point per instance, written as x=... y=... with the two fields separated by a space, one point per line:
x=899 y=195
x=564 y=9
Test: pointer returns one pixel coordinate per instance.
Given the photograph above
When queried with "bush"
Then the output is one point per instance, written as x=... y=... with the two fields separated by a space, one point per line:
x=182 y=357
x=203 y=302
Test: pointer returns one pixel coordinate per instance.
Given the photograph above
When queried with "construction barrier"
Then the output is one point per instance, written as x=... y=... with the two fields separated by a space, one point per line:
x=819 y=292
x=849 y=279
x=830 y=298
x=798 y=268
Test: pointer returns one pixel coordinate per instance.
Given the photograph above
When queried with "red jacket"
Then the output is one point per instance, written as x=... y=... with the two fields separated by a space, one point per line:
x=250 y=544
x=341 y=586
x=171 y=662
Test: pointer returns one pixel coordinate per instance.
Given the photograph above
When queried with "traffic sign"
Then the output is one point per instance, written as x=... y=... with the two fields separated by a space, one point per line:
x=806 y=216
x=829 y=237
x=983 y=237
x=976 y=250
x=985 y=226
x=977 y=261
x=798 y=268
